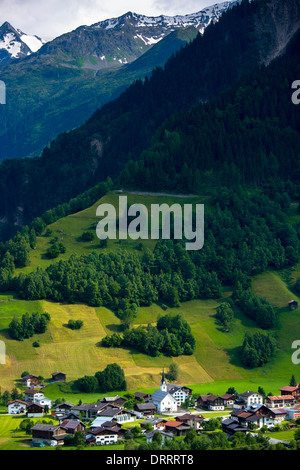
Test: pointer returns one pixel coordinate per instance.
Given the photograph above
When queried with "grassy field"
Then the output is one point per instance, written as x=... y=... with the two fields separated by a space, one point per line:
x=213 y=368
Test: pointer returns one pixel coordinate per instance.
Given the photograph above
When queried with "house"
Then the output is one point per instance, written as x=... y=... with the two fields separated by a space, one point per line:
x=115 y=401
x=211 y=402
x=48 y=434
x=89 y=410
x=165 y=436
x=72 y=426
x=58 y=377
x=102 y=435
x=43 y=401
x=30 y=381
x=261 y=416
x=31 y=395
x=280 y=401
x=121 y=416
x=293 y=305
x=63 y=409
x=247 y=399
x=179 y=392
x=289 y=390
x=230 y=426
x=34 y=410
x=228 y=399
x=193 y=421
x=145 y=409
x=16 y=407
x=177 y=428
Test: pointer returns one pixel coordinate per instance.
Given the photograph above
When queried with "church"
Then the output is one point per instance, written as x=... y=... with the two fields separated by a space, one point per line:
x=163 y=401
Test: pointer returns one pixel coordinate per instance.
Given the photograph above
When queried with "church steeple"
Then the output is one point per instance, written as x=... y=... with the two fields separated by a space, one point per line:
x=163 y=383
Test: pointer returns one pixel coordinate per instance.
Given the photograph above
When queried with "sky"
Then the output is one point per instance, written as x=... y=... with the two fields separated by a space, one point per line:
x=51 y=18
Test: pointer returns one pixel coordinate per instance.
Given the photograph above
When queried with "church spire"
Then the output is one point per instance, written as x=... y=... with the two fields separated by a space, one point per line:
x=163 y=383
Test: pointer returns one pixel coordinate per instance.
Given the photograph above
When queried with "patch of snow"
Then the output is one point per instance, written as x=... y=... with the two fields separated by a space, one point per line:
x=33 y=42
x=11 y=44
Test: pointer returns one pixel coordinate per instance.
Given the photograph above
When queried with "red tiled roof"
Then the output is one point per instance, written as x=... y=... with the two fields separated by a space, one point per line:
x=287 y=388
x=173 y=424
x=282 y=397
x=17 y=401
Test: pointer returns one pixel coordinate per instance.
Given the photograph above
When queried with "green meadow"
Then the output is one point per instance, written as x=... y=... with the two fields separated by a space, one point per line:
x=215 y=364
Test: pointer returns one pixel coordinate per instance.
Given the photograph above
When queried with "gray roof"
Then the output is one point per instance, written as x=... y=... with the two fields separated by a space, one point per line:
x=159 y=395
x=110 y=412
x=89 y=406
x=145 y=406
x=45 y=427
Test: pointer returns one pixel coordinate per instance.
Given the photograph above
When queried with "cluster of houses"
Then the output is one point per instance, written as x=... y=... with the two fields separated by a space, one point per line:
x=101 y=422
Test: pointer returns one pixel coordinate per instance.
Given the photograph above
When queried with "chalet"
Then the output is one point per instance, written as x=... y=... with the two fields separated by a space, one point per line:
x=115 y=401
x=293 y=305
x=16 y=407
x=72 y=426
x=58 y=377
x=247 y=399
x=177 y=428
x=288 y=390
x=89 y=410
x=102 y=435
x=261 y=416
x=211 y=402
x=31 y=395
x=165 y=436
x=30 y=381
x=145 y=409
x=228 y=399
x=121 y=416
x=280 y=401
x=63 y=409
x=193 y=421
x=34 y=410
x=48 y=434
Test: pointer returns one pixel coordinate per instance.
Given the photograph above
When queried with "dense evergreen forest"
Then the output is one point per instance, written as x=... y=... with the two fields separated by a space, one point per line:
x=124 y=128
x=246 y=136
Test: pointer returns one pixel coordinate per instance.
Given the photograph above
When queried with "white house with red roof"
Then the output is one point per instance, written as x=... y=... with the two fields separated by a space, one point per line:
x=16 y=407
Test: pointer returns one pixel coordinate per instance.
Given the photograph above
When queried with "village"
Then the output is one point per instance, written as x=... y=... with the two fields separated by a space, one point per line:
x=162 y=414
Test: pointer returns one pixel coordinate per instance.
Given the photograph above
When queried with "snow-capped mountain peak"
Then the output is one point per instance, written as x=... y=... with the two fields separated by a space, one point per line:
x=14 y=44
